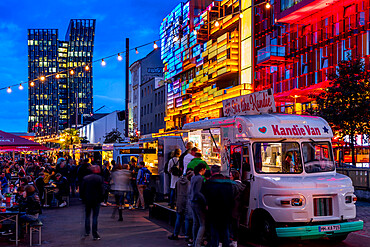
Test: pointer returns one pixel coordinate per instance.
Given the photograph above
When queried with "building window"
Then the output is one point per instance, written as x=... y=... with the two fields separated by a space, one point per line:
x=141 y=111
x=361 y=20
x=151 y=107
x=144 y=110
x=155 y=99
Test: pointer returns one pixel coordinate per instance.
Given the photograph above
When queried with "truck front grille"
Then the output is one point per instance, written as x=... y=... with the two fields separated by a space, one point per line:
x=323 y=206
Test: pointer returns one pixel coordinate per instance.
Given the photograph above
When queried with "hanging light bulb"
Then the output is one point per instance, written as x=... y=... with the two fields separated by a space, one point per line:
x=57 y=76
x=217 y=24
x=155 y=46
x=175 y=39
x=241 y=15
x=119 y=57
x=87 y=68
x=103 y=63
x=20 y=87
x=195 y=32
x=136 y=51
x=72 y=72
x=42 y=78
x=9 y=90
x=32 y=84
x=268 y=5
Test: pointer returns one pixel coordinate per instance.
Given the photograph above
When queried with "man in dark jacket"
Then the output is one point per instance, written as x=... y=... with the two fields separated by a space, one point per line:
x=218 y=191
x=63 y=189
x=92 y=194
x=83 y=170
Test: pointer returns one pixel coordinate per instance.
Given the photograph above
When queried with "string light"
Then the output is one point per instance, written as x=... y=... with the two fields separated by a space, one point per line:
x=20 y=87
x=57 y=75
x=217 y=24
x=174 y=39
x=195 y=32
x=9 y=90
x=119 y=57
x=241 y=15
x=268 y=5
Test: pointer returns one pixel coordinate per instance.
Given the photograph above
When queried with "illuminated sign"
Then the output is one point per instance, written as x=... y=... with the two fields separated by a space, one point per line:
x=255 y=103
x=138 y=151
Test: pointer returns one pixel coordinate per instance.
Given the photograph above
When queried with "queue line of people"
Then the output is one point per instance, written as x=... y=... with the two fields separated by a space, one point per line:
x=202 y=193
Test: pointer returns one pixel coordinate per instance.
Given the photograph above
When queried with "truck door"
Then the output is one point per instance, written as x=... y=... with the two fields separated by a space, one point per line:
x=246 y=178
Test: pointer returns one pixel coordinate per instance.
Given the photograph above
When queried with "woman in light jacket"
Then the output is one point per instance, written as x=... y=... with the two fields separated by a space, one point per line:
x=121 y=186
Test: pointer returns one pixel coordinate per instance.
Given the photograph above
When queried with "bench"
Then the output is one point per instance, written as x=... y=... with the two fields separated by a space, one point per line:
x=35 y=227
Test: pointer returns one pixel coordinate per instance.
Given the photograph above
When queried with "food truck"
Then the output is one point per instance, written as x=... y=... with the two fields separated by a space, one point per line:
x=286 y=162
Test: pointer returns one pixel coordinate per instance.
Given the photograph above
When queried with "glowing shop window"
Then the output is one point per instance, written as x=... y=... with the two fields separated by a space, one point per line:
x=246 y=76
x=246 y=56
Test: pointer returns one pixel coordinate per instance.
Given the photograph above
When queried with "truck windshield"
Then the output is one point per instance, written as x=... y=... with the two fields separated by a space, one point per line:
x=317 y=157
x=277 y=157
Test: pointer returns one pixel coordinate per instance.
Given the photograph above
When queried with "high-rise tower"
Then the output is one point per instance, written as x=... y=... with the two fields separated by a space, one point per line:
x=62 y=75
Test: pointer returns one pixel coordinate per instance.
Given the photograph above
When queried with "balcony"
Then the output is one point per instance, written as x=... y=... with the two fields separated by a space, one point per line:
x=271 y=55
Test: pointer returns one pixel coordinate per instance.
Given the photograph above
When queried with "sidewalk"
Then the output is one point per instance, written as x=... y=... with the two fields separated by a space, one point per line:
x=64 y=227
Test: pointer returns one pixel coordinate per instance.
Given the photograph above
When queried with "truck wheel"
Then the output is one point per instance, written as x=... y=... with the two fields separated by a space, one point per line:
x=338 y=238
x=265 y=229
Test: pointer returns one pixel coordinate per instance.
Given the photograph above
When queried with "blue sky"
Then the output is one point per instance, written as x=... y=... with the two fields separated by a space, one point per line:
x=138 y=20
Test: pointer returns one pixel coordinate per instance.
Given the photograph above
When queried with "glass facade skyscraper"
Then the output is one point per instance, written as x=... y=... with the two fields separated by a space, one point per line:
x=66 y=67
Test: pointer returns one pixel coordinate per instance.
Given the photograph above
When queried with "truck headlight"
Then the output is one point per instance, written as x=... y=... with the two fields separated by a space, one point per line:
x=296 y=202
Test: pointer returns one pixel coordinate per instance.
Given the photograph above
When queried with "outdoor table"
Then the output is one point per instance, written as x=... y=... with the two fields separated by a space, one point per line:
x=12 y=216
x=49 y=189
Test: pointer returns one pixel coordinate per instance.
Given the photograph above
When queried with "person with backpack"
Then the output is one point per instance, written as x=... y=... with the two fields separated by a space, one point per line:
x=174 y=170
x=142 y=180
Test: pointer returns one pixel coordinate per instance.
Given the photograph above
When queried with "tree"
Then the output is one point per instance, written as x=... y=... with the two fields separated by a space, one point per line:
x=113 y=136
x=70 y=136
x=346 y=102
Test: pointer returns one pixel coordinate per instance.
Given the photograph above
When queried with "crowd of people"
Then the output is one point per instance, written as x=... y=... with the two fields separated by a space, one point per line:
x=26 y=178
x=207 y=202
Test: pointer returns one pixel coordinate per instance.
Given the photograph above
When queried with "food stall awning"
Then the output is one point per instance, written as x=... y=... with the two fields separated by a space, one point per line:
x=10 y=142
x=214 y=123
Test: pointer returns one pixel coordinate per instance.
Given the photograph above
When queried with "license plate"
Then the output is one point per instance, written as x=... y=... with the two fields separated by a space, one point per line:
x=329 y=228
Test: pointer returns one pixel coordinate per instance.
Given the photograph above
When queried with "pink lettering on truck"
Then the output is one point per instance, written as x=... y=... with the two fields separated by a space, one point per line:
x=295 y=130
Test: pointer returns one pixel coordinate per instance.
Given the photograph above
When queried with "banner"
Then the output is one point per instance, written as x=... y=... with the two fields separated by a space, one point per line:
x=250 y=104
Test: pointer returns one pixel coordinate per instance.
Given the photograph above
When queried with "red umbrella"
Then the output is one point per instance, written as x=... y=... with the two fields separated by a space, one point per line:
x=10 y=142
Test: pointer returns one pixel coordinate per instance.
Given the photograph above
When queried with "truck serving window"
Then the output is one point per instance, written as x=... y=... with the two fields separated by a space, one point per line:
x=317 y=157
x=277 y=157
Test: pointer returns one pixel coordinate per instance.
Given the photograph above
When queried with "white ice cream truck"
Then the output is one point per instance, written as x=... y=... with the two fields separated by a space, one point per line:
x=287 y=163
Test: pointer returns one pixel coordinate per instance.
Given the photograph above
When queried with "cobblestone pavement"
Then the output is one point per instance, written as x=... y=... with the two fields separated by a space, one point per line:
x=363 y=213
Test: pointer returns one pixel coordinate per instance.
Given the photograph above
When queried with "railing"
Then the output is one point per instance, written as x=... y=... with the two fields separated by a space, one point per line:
x=360 y=177
x=265 y=53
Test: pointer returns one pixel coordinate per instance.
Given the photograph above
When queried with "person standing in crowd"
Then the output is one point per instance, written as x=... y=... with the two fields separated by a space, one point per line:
x=82 y=170
x=92 y=193
x=142 y=179
x=174 y=170
x=196 y=161
x=219 y=194
x=106 y=177
x=121 y=187
x=189 y=146
x=238 y=188
x=63 y=189
x=134 y=192
x=72 y=175
x=198 y=204
x=182 y=191
x=4 y=183
x=189 y=158
x=40 y=185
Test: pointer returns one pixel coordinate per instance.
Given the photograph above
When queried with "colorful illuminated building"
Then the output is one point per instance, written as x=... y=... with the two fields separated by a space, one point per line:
x=215 y=50
x=56 y=93
x=200 y=43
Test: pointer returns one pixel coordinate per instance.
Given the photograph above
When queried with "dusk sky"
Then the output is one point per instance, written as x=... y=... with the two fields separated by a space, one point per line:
x=138 y=20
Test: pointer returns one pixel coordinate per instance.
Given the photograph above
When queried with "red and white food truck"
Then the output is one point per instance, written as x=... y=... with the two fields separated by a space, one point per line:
x=287 y=163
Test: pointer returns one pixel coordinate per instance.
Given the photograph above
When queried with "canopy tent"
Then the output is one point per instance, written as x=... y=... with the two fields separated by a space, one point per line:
x=10 y=142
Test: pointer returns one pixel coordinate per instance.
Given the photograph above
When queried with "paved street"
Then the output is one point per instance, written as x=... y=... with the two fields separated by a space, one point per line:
x=63 y=227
